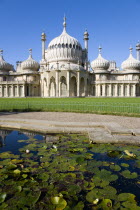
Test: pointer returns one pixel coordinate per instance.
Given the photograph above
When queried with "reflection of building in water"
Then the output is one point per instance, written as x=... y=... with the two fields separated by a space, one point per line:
x=29 y=134
x=3 y=134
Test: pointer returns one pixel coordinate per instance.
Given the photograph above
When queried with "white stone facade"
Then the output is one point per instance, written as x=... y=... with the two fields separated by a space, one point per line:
x=64 y=71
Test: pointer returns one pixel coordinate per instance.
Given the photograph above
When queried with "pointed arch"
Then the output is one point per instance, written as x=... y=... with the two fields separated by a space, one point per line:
x=52 y=87
x=63 y=86
x=45 y=86
x=73 y=86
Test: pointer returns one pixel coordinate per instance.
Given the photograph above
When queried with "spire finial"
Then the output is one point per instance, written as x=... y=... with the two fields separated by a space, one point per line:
x=130 y=48
x=64 y=23
x=30 y=53
x=100 y=49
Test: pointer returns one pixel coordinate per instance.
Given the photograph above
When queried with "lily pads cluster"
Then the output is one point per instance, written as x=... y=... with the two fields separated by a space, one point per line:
x=69 y=173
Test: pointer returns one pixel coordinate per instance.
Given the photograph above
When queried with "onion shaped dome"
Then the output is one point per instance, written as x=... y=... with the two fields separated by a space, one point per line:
x=131 y=63
x=100 y=63
x=4 y=66
x=30 y=63
x=138 y=45
x=64 y=48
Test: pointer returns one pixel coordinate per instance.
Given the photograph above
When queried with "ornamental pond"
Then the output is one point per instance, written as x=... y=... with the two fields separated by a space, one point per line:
x=66 y=171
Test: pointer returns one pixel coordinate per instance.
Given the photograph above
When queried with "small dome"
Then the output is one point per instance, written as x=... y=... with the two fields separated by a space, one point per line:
x=100 y=63
x=30 y=63
x=131 y=63
x=138 y=44
x=64 y=48
x=4 y=66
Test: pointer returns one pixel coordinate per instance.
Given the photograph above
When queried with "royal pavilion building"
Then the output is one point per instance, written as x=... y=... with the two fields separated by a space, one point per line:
x=64 y=71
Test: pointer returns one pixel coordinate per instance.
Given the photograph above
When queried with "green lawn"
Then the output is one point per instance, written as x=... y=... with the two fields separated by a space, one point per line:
x=116 y=106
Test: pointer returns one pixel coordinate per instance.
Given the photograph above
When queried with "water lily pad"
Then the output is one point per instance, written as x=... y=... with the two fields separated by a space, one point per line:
x=114 y=153
x=59 y=202
x=129 y=175
x=106 y=204
x=16 y=171
x=79 y=206
x=115 y=167
x=125 y=165
x=127 y=197
x=2 y=197
x=108 y=192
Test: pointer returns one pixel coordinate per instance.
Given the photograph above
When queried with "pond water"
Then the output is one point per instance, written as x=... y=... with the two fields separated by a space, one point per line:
x=63 y=171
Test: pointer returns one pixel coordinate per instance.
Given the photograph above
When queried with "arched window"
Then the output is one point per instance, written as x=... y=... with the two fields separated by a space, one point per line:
x=56 y=46
x=74 y=46
x=70 y=46
x=66 y=45
x=52 y=46
x=77 y=47
x=63 y=45
x=59 y=45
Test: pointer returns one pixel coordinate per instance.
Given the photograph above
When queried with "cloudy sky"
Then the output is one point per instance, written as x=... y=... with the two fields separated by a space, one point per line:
x=113 y=24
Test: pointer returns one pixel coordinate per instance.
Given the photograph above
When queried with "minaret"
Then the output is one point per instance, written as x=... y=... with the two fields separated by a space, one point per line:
x=64 y=24
x=86 y=35
x=30 y=53
x=138 y=50
x=43 y=39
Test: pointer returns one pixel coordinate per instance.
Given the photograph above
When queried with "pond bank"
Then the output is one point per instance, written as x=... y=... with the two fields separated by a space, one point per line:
x=100 y=128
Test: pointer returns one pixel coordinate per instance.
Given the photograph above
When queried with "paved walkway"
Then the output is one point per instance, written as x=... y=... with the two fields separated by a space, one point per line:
x=100 y=128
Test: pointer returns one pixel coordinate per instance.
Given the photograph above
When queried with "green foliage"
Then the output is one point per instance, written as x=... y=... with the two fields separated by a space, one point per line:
x=129 y=175
x=76 y=176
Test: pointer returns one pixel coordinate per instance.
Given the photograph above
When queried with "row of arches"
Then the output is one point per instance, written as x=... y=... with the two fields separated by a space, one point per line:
x=63 y=87
x=9 y=91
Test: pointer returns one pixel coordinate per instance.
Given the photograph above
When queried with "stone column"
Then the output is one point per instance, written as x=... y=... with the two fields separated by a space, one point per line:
x=128 y=90
x=116 y=90
x=12 y=93
x=103 y=90
x=47 y=79
x=78 y=83
x=68 y=83
x=110 y=90
x=99 y=90
x=96 y=90
x=6 y=91
x=134 y=90
x=57 y=83
x=23 y=94
x=17 y=90
x=122 y=90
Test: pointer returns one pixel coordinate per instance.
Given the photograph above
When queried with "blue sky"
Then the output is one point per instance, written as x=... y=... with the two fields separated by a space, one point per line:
x=113 y=24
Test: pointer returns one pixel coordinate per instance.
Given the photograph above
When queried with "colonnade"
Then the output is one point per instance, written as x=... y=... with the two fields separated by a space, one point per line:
x=19 y=90
x=115 y=90
x=11 y=90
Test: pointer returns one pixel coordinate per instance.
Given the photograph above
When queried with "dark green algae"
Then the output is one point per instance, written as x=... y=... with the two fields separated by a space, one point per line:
x=69 y=173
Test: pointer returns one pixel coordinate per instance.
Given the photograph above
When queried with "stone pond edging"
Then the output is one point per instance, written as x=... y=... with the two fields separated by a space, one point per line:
x=98 y=132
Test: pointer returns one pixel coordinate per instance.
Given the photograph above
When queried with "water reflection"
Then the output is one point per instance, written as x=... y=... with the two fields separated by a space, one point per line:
x=9 y=139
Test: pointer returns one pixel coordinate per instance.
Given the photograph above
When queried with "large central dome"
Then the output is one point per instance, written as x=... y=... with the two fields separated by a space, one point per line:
x=64 y=48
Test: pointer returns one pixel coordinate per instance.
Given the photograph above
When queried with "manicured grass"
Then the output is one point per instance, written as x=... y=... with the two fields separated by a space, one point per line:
x=115 y=106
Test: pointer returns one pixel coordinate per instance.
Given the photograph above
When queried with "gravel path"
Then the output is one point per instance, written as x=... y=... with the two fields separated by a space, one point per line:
x=126 y=122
